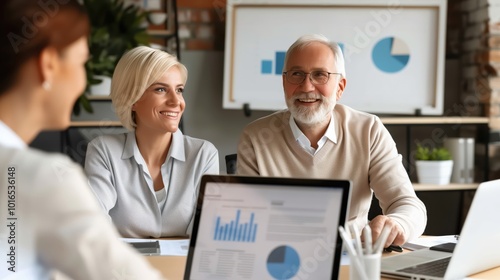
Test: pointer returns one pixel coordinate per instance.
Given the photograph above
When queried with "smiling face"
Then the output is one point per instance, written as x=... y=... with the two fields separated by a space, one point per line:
x=161 y=106
x=308 y=103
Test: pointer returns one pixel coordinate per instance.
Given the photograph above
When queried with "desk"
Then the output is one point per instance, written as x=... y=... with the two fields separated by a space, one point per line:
x=173 y=267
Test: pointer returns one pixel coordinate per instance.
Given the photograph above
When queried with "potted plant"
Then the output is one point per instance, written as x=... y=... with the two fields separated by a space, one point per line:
x=434 y=165
x=115 y=28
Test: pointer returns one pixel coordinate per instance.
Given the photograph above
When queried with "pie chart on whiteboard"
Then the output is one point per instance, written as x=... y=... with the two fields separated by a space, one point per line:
x=391 y=55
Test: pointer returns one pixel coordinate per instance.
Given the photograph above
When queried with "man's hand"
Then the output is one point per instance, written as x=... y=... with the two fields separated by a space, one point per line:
x=397 y=235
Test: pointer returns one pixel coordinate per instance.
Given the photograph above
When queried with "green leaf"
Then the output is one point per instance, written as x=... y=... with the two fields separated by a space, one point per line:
x=82 y=102
x=115 y=28
x=86 y=104
x=76 y=108
x=436 y=153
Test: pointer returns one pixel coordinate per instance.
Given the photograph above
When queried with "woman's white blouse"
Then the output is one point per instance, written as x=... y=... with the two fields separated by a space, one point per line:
x=119 y=177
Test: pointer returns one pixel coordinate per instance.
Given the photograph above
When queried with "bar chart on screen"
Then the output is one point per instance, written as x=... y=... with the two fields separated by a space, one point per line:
x=236 y=229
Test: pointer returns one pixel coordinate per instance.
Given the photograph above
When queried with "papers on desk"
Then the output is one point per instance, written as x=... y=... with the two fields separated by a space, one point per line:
x=167 y=247
x=428 y=241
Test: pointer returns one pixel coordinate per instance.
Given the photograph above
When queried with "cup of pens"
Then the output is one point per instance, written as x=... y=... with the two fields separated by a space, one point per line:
x=364 y=260
x=371 y=267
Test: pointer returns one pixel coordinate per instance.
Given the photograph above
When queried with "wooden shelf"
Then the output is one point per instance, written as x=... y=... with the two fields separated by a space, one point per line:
x=160 y=33
x=385 y=120
x=449 y=187
x=434 y=120
x=102 y=124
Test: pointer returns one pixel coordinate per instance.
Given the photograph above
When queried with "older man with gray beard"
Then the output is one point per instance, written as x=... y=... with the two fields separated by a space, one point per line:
x=318 y=138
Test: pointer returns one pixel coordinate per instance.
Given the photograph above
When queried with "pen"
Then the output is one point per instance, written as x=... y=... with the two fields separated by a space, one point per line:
x=379 y=244
x=357 y=238
x=367 y=233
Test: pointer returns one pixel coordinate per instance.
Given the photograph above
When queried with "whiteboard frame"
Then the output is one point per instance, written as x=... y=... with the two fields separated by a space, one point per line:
x=434 y=107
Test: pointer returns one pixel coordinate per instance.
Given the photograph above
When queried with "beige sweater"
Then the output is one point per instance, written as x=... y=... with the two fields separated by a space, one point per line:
x=365 y=153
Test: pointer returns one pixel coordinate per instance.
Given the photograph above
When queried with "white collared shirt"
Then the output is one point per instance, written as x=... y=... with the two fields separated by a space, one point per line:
x=120 y=179
x=304 y=142
x=10 y=138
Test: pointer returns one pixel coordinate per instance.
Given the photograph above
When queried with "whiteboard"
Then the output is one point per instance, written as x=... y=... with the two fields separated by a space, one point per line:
x=394 y=51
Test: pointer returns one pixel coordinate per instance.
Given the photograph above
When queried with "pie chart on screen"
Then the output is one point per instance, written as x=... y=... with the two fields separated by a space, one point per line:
x=283 y=262
x=391 y=55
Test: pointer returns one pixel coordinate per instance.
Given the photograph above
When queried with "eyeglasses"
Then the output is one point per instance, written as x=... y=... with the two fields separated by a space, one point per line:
x=316 y=77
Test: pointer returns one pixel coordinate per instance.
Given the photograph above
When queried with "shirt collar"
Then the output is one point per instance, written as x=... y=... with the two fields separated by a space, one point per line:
x=10 y=138
x=330 y=132
x=176 y=149
x=299 y=136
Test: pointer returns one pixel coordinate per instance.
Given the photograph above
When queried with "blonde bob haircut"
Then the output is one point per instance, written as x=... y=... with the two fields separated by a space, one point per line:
x=137 y=70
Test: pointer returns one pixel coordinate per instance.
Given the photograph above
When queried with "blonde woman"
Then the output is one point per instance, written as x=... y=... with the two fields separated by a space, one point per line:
x=147 y=179
x=52 y=223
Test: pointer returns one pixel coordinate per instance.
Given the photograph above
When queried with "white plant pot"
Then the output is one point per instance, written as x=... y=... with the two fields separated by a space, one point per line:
x=434 y=171
x=103 y=88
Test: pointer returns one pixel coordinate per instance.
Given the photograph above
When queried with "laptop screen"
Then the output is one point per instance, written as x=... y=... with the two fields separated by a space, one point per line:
x=267 y=228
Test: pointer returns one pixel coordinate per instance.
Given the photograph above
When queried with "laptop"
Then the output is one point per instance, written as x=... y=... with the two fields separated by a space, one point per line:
x=267 y=228
x=477 y=249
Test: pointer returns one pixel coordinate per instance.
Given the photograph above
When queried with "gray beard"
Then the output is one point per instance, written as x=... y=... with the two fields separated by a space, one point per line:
x=311 y=116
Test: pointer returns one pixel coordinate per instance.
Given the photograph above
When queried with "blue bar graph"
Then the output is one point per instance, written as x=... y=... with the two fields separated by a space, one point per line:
x=266 y=65
x=235 y=230
x=280 y=61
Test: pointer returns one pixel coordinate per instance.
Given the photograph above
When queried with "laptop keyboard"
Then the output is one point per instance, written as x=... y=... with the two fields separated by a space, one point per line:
x=435 y=268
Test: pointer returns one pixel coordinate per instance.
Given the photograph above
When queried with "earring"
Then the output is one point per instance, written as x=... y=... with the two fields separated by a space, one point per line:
x=46 y=85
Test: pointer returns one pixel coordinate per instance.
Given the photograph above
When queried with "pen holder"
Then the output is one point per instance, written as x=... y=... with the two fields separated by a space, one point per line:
x=369 y=263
